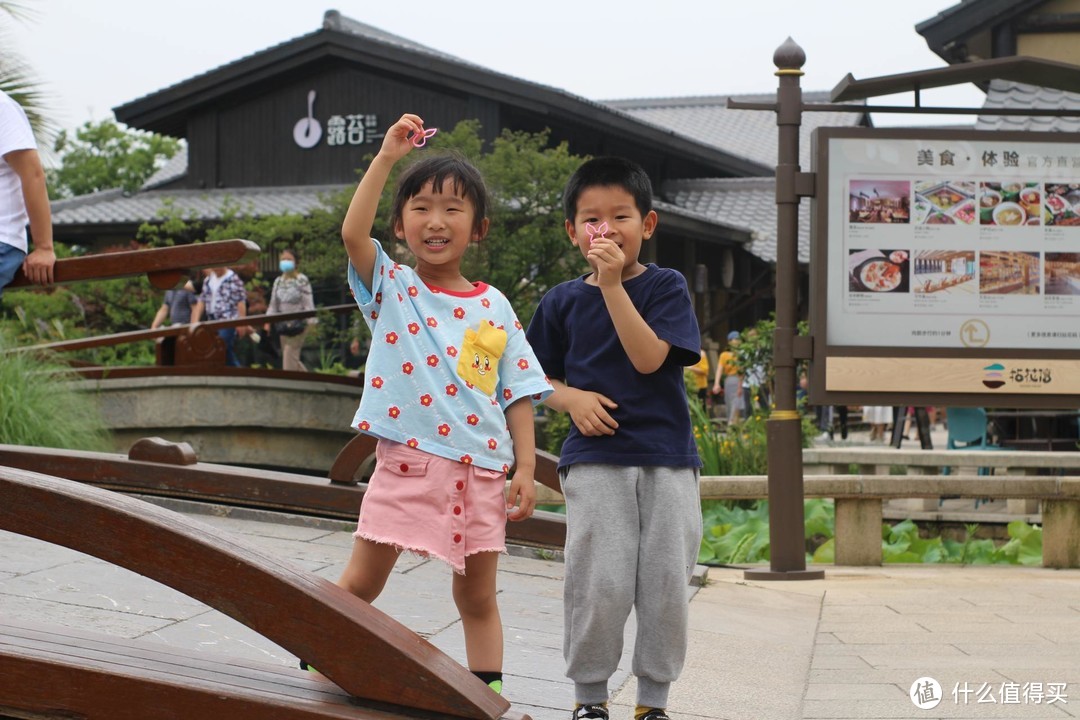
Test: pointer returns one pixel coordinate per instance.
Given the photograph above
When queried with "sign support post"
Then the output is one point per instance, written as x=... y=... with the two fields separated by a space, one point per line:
x=787 y=524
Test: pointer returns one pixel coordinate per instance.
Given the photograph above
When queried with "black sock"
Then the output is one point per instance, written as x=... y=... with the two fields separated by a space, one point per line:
x=490 y=678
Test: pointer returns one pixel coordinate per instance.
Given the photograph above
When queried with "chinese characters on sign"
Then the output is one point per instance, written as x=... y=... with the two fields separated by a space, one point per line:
x=356 y=129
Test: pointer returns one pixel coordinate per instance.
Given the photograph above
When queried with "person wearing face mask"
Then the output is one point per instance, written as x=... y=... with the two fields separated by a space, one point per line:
x=291 y=293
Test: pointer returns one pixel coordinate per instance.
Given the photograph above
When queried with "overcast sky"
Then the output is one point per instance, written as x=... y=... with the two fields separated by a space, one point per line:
x=95 y=54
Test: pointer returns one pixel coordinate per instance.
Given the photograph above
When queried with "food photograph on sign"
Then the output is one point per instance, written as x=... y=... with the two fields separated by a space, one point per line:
x=1062 y=273
x=944 y=202
x=879 y=201
x=879 y=271
x=1062 y=204
x=1010 y=204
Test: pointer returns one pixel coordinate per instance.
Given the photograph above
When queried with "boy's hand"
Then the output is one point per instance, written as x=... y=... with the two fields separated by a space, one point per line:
x=397 y=143
x=589 y=411
x=607 y=259
x=521 y=497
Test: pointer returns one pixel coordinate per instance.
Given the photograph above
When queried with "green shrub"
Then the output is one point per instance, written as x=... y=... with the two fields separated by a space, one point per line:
x=40 y=407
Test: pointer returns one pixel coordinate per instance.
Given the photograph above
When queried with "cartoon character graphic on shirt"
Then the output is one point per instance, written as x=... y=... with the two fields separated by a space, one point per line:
x=481 y=350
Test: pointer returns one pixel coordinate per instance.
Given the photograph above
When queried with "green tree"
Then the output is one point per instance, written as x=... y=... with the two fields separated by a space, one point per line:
x=17 y=78
x=106 y=155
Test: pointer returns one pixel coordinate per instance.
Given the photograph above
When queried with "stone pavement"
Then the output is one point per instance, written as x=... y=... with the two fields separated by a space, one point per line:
x=1002 y=642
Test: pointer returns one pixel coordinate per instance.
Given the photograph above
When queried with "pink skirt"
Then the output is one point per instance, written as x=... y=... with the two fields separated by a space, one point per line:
x=433 y=506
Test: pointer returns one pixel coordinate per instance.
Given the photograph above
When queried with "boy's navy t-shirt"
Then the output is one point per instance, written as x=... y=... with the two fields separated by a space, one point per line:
x=574 y=338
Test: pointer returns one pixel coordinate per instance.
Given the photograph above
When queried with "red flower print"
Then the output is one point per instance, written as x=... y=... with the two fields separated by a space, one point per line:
x=374 y=314
x=413 y=292
x=472 y=419
x=451 y=389
x=523 y=364
x=394 y=412
x=399 y=298
x=407 y=368
x=517 y=324
x=425 y=400
x=391 y=338
x=451 y=351
x=459 y=313
x=467 y=459
x=507 y=394
x=378 y=297
x=413 y=328
x=364 y=426
x=506 y=468
x=376 y=382
x=486 y=303
x=413 y=443
x=432 y=322
x=492 y=445
x=433 y=360
x=444 y=429
x=391 y=273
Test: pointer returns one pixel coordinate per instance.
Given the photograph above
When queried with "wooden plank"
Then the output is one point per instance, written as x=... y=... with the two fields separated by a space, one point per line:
x=164 y=266
x=365 y=652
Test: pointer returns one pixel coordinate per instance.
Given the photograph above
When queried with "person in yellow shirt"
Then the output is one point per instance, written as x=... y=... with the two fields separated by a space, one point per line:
x=729 y=378
x=697 y=377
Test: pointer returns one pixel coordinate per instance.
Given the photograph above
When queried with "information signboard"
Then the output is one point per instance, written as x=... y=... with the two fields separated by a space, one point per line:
x=945 y=265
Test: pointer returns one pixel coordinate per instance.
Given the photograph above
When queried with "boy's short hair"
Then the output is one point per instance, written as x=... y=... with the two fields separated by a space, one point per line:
x=467 y=183
x=609 y=172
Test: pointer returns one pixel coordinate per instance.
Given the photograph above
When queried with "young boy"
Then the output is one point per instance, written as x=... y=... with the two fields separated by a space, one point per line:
x=614 y=344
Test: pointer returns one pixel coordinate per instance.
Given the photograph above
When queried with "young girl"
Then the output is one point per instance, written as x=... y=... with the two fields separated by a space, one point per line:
x=449 y=380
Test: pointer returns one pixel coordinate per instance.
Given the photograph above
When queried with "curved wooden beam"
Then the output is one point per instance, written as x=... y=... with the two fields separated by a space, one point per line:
x=364 y=651
x=162 y=265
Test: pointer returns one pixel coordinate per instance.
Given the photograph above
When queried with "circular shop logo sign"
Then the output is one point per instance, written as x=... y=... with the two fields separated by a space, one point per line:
x=925 y=693
x=974 y=333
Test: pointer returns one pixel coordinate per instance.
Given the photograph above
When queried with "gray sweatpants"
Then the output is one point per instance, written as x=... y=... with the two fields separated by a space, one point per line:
x=632 y=539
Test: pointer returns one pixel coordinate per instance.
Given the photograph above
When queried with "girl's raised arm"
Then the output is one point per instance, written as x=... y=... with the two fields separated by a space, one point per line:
x=356 y=229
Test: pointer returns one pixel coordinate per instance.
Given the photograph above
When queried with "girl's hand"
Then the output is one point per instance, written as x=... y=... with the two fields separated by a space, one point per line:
x=521 y=497
x=397 y=143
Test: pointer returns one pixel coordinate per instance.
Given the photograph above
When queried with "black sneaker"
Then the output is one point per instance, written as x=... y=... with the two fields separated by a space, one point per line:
x=655 y=714
x=598 y=712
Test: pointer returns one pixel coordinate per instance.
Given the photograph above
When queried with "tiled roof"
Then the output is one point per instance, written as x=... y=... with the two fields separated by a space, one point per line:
x=750 y=134
x=741 y=202
x=1004 y=94
x=174 y=169
x=115 y=207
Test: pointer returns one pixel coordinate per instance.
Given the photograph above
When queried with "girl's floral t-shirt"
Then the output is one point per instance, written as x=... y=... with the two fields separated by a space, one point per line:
x=443 y=366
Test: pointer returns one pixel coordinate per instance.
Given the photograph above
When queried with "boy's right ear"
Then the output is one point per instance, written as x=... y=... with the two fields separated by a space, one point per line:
x=571 y=231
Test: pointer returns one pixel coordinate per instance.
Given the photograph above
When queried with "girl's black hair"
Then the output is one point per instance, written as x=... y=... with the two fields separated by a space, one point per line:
x=467 y=183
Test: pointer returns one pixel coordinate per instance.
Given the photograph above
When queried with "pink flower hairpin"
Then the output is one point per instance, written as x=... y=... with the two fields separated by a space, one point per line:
x=596 y=230
x=419 y=139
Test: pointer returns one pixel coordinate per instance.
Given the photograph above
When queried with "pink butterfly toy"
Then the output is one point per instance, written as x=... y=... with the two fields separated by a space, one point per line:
x=420 y=139
x=596 y=231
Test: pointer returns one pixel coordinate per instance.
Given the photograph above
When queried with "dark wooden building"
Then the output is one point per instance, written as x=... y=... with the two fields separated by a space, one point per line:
x=274 y=130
